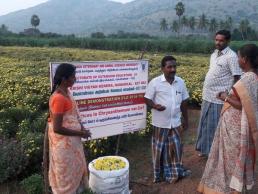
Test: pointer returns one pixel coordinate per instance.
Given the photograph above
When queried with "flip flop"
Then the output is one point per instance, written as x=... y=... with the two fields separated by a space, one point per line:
x=202 y=155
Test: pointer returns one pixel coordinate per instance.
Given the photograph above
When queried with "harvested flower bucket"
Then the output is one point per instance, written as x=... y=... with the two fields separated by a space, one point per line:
x=109 y=175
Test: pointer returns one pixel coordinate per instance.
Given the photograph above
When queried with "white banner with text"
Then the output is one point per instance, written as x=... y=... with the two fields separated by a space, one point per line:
x=110 y=95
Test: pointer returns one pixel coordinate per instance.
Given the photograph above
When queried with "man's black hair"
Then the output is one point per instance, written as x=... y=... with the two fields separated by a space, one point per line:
x=225 y=33
x=167 y=58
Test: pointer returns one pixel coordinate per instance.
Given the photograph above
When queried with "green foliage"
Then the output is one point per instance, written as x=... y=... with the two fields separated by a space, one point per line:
x=148 y=128
x=4 y=30
x=163 y=25
x=100 y=147
x=33 y=184
x=8 y=128
x=180 y=9
x=12 y=159
x=129 y=35
x=98 y=35
x=33 y=147
x=88 y=191
x=17 y=121
x=181 y=45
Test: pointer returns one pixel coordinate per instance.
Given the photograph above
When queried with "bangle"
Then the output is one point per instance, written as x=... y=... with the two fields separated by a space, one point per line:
x=226 y=99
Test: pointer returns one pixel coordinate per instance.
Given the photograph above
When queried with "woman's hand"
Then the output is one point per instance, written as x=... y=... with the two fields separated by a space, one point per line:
x=231 y=99
x=86 y=134
x=82 y=127
x=222 y=95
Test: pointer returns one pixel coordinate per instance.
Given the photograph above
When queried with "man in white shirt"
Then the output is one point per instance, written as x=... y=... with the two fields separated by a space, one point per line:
x=224 y=71
x=167 y=96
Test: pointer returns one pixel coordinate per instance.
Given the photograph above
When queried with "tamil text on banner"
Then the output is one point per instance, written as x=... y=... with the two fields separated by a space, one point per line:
x=110 y=95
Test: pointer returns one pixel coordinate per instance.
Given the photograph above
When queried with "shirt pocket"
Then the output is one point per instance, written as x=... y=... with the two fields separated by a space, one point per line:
x=163 y=91
x=179 y=97
x=163 y=96
x=178 y=101
x=221 y=69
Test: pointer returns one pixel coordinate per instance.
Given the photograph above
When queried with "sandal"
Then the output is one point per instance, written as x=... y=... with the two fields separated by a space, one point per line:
x=172 y=181
x=203 y=155
x=156 y=180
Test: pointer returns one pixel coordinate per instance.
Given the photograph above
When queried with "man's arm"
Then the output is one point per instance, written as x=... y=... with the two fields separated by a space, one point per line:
x=234 y=68
x=236 y=78
x=151 y=104
x=184 y=110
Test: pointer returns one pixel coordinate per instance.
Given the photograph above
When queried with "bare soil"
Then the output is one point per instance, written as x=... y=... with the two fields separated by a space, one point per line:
x=141 y=174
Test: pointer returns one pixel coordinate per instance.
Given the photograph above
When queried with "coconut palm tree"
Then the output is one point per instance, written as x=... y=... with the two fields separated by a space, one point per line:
x=163 y=25
x=4 y=29
x=175 y=27
x=192 y=23
x=203 y=22
x=34 y=21
x=229 y=24
x=184 y=22
x=180 y=9
x=222 y=24
x=213 y=26
x=243 y=27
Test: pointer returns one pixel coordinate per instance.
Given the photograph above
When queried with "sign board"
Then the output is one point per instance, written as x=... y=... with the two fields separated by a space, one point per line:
x=110 y=95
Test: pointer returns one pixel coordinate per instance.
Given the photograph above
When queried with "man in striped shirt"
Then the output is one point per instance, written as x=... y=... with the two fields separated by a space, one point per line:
x=224 y=71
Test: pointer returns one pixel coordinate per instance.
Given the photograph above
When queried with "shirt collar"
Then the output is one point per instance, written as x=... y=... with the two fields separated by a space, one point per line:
x=163 y=79
x=224 y=51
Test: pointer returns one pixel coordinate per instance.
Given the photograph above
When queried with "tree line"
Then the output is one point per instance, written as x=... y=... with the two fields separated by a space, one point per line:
x=183 y=26
x=202 y=25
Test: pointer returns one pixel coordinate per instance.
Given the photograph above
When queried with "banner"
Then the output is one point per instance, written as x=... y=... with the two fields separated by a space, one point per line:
x=110 y=95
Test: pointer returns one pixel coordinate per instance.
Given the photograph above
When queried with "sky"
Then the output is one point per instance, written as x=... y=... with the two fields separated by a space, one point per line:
x=7 y=6
x=123 y=1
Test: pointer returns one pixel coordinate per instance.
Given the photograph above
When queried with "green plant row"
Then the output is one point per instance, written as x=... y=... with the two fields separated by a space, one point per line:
x=182 y=45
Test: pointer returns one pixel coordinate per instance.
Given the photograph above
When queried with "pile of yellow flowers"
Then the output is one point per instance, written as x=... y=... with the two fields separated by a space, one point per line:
x=109 y=163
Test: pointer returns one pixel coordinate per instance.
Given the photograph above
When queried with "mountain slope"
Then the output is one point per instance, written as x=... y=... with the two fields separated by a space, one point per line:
x=86 y=16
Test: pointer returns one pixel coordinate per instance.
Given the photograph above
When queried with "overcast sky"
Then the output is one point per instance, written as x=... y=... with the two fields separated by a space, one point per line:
x=7 y=6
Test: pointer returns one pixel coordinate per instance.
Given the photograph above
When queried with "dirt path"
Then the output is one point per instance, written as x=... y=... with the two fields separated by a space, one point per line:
x=141 y=169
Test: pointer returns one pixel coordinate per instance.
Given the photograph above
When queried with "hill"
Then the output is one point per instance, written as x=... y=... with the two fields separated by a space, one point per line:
x=83 y=17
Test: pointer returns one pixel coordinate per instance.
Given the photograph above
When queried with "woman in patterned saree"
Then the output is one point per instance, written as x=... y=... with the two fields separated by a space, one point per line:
x=67 y=165
x=231 y=163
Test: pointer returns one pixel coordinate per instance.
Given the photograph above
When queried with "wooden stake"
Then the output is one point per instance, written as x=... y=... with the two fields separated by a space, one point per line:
x=117 y=144
x=143 y=51
x=45 y=164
